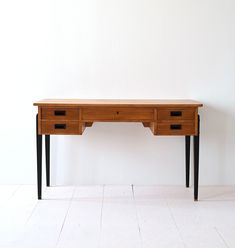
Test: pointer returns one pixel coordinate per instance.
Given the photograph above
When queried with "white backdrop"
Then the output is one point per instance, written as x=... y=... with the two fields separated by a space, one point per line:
x=117 y=49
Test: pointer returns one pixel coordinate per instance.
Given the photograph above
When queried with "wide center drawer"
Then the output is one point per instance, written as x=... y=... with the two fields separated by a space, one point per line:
x=117 y=114
x=176 y=113
x=60 y=113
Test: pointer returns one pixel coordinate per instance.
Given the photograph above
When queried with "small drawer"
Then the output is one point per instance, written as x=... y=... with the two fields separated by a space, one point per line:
x=176 y=114
x=57 y=113
x=176 y=128
x=117 y=114
x=60 y=127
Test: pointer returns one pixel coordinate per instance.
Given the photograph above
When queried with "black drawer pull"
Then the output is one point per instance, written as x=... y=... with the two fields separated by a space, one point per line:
x=60 y=112
x=176 y=127
x=176 y=113
x=60 y=126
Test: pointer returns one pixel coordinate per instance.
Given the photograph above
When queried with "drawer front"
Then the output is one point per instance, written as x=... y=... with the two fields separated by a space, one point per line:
x=176 y=114
x=60 y=127
x=176 y=128
x=117 y=114
x=60 y=113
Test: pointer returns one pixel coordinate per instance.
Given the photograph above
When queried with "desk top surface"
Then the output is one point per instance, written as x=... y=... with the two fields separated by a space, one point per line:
x=118 y=102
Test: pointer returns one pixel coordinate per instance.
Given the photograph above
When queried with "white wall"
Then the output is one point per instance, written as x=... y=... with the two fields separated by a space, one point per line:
x=117 y=49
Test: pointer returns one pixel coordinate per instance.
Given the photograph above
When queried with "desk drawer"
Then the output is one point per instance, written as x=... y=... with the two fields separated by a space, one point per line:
x=60 y=127
x=117 y=114
x=57 y=113
x=176 y=114
x=176 y=128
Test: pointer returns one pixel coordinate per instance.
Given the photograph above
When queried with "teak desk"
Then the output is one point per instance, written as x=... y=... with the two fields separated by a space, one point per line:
x=163 y=117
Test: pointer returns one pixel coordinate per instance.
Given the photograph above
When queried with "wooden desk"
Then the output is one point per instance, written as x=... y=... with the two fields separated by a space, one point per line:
x=72 y=116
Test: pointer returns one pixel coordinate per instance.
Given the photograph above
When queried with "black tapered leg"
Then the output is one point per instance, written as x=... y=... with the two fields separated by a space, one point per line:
x=39 y=160
x=47 y=147
x=196 y=161
x=187 y=159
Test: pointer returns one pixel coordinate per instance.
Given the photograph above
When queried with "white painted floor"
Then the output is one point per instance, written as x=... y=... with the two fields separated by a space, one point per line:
x=117 y=217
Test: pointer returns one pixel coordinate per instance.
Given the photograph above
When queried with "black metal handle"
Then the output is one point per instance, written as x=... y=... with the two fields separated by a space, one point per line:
x=60 y=126
x=60 y=112
x=176 y=113
x=176 y=127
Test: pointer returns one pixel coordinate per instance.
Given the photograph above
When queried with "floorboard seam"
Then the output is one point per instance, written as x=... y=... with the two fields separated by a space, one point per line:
x=12 y=194
x=33 y=210
x=101 y=217
x=221 y=237
x=136 y=214
x=65 y=217
x=101 y=211
x=176 y=226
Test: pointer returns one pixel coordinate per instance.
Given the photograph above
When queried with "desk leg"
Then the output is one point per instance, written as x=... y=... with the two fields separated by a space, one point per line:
x=39 y=160
x=47 y=148
x=196 y=161
x=187 y=159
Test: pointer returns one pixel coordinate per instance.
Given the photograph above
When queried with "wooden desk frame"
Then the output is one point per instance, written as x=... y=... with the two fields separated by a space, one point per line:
x=163 y=117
